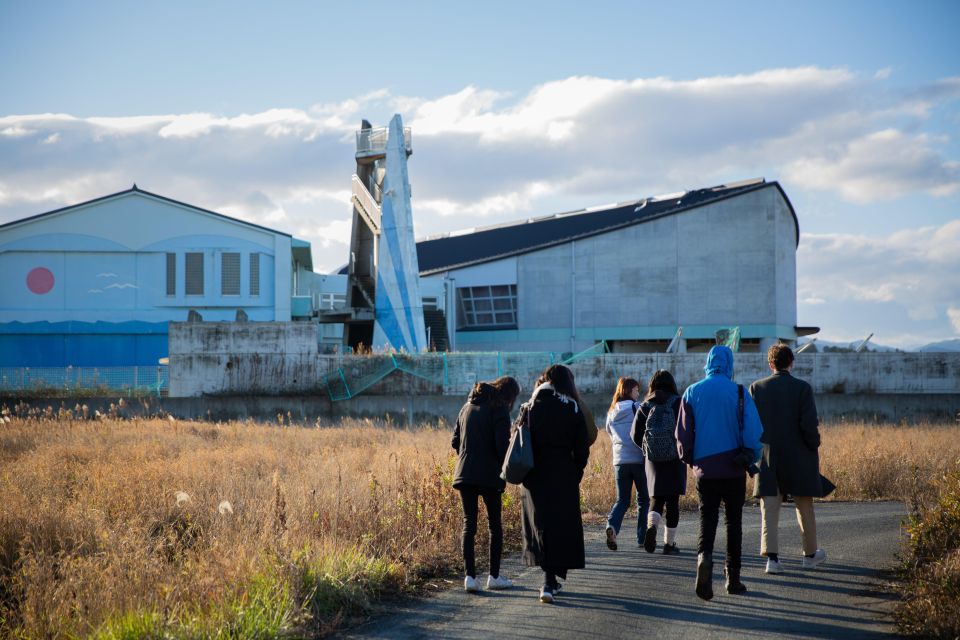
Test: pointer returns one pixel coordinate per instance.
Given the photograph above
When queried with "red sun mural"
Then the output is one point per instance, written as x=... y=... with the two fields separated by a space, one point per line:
x=40 y=280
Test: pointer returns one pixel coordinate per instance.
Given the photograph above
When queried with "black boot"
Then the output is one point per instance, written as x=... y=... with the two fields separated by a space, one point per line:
x=734 y=585
x=705 y=575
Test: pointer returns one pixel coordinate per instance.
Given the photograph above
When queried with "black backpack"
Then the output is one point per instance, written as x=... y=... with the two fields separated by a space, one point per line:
x=659 y=442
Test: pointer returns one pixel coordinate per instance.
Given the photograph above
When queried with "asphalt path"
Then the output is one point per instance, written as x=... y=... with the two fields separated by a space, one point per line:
x=629 y=593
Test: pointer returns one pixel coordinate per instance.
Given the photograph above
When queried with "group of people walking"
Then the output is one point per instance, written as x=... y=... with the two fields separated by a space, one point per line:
x=716 y=427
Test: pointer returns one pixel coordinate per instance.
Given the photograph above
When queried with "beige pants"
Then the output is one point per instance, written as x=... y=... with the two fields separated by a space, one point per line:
x=770 y=514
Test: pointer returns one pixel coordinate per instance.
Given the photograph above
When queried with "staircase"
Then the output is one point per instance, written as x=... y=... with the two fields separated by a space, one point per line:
x=436 y=324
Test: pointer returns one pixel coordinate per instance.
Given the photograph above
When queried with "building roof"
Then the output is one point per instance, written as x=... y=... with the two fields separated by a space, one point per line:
x=451 y=251
x=136 y=189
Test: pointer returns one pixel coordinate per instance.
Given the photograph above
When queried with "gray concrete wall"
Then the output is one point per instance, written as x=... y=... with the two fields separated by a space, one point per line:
x=410 y=410
x=282 y=359
x=249 y=357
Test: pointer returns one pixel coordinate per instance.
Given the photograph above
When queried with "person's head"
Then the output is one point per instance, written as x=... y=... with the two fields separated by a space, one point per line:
x=662 y=380
x=780 y=357
x=561 y=378
x=507 y=390
x=627 y=389
x=720 y=361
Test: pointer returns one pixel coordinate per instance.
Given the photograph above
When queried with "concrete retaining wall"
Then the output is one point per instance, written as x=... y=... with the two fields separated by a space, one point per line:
x=281 y=359
x=408 y=410
x=239 y=370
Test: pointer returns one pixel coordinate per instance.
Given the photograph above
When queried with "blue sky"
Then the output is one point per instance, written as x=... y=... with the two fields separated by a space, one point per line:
x=518 y=109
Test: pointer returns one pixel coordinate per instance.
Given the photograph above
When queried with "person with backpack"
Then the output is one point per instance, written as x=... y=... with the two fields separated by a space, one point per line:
x=628 y=470
x=718 y=434
x=653 y=430
x=480 y=439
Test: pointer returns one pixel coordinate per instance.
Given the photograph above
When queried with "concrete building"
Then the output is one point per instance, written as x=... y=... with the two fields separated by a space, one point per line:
x=631 y=274
x=95 y=284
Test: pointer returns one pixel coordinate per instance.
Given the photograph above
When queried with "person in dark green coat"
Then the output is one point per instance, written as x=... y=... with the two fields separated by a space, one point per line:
x=790 y=464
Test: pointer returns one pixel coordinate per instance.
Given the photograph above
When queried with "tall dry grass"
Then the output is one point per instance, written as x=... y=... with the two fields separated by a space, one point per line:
x=150 y=528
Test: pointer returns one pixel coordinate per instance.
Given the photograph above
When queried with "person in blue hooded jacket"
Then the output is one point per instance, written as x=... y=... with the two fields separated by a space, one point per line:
x=710 y=438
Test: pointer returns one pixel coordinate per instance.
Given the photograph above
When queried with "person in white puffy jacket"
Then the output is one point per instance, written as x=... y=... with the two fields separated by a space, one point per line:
x=628 y=463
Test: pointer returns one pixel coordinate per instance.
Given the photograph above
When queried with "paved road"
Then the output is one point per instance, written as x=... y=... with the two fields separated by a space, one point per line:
x=630 y=593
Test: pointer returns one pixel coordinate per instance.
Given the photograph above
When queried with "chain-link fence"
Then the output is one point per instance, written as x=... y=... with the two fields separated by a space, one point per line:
x=130 y=381
x=452 y=372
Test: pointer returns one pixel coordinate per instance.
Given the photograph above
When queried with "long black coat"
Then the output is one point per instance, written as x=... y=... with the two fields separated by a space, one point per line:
x=668 y=478
x=790 y=462
x=552 y=527
x=481 y=437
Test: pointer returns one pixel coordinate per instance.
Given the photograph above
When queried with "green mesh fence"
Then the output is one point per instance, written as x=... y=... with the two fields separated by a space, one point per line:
x=456 y=372
x=146 y=380
x=729 y=337
x=596 y=350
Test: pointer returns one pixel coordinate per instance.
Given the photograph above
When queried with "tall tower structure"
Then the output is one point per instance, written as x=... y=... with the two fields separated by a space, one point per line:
x=383 y=277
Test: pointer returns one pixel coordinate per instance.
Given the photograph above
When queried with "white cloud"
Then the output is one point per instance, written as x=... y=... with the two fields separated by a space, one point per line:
x=483 y=156
x=879 y=166
x=954 y=314
x=909 y=278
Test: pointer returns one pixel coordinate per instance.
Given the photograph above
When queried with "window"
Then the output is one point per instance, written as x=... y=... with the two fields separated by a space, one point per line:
x=493 y=307
x=194 y=274
x=230 y=274
x=329 y=300
x=254 y=274
x=171 y=274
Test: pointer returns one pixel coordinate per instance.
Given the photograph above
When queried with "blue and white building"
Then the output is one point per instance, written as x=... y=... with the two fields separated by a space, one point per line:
x=95 y=284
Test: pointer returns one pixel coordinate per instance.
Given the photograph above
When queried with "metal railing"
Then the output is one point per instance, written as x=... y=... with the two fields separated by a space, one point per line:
x=374 y=141
x=135 y=380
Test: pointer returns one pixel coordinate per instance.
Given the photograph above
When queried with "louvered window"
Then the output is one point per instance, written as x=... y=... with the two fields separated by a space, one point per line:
x=194 y=274
x=171 y=274
x=230 y=274
x=254 y=274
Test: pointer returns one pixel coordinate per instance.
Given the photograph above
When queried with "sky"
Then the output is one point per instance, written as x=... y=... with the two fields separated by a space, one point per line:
x=518 y=109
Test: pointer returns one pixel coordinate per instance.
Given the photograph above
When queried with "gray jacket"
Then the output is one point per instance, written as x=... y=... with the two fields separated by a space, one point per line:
x=790 y=461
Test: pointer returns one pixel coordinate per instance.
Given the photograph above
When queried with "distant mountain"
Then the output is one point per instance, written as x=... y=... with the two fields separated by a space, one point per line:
x=934 y=347
x=825 y=346
x=943 y=345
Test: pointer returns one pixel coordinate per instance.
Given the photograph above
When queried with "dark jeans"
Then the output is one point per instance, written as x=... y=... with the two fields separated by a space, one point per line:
x=492 y=499
x=629 y=476
x=732 y=492
x=672 y=504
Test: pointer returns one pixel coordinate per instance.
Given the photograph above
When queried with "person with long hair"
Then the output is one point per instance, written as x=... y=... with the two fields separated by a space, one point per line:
x=550 y=501
x=666 y=473
x=480 y=438
x=628 y=471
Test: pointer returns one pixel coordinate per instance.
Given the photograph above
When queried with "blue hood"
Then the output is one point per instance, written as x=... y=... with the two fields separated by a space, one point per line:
x=720 y=361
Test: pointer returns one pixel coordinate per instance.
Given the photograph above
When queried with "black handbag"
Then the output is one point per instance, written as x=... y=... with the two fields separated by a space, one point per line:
x=519 y=459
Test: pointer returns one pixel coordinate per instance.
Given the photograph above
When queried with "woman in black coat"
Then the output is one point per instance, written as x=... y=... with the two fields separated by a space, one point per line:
x=480 y=438
x=666 y=479
x=550 y=505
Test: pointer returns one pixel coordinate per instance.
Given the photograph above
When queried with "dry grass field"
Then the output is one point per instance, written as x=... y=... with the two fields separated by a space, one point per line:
x=163 y=528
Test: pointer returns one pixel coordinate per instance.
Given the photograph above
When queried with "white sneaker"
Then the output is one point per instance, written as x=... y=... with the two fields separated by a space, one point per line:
x=774 y=566
x=471 y=584
x=546 y=596
x=818 y=557
x=500 y=582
